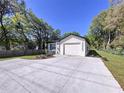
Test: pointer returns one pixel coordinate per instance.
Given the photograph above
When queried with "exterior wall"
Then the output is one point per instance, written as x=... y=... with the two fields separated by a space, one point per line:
x=57 y=48
x=86 y=48
x=73 y=40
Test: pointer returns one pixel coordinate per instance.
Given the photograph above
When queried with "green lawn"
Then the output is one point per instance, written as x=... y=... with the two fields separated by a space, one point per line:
x=23 y=57
x=2 y=59
x=115 y=64
x=28 y=57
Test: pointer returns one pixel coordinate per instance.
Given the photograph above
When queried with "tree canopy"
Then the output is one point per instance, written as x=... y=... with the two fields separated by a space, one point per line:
x=107 y=29
x=20 y=27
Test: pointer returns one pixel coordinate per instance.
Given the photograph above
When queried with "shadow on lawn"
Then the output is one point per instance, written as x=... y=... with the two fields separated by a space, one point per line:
x=94 y=53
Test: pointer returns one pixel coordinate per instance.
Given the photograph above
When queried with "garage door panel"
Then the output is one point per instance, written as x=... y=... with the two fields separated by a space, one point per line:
x=72 y=49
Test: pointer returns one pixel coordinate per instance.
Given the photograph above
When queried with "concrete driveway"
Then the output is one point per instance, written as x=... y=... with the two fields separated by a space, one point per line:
x=61 y=74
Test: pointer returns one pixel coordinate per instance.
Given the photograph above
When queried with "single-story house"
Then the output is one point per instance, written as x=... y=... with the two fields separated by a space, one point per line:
x=72 y=45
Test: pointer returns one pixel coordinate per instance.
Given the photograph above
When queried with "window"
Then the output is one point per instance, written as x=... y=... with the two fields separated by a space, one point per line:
x=52 y=46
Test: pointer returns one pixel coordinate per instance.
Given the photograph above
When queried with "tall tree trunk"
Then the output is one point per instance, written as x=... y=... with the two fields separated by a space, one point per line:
x=39 y=45
x=43 y=45
x=5 y=32
x=109 y=39
x=26 y=41
x=7 y=44
x=46 y=43
x=104 y=45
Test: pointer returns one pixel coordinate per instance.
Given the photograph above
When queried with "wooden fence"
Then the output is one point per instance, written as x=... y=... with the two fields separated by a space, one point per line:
x=15 y=53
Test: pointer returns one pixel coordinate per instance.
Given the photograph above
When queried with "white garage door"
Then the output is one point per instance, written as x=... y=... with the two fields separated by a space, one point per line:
x=72 y=49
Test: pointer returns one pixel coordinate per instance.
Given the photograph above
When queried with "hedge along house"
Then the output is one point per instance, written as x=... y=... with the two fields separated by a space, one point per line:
x=71 y=45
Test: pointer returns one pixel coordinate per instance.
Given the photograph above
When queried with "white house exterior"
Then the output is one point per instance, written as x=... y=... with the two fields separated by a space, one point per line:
x=73 y=46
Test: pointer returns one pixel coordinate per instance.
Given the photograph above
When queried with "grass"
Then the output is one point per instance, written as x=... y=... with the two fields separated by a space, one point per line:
x=23 y=57
x=2 y=59
x=115 y=64
x=28 y=57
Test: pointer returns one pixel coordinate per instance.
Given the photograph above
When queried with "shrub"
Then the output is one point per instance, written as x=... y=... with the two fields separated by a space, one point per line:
x=41 y=57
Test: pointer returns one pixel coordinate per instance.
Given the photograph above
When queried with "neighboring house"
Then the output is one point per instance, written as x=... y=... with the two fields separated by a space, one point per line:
x=71 y=45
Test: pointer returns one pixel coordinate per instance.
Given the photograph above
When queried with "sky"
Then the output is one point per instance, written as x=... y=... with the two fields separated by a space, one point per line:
x=68 y=15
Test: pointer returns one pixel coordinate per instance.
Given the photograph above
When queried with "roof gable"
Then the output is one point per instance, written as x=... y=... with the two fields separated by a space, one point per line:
x=72 y=36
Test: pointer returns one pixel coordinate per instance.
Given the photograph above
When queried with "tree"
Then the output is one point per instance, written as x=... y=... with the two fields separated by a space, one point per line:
x=20 y=26
x=116 y=2
x=97 y=34
x=107 y=29
x=55 y=35
x=4 y=9
x=40 y=30
x=7 y=9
